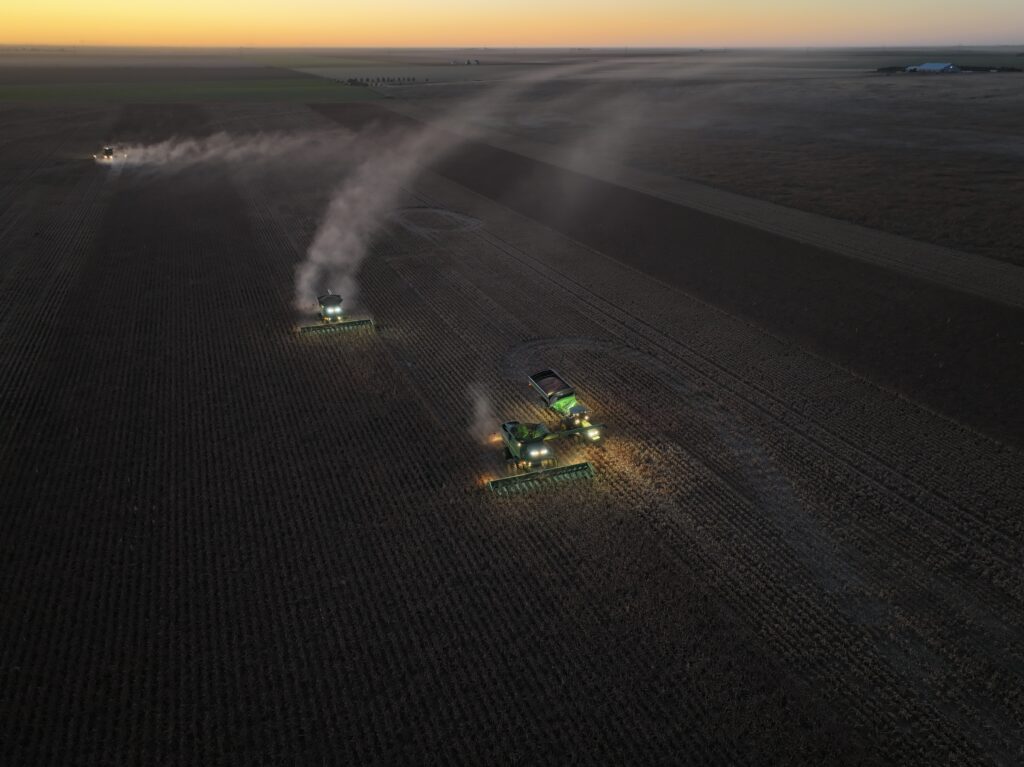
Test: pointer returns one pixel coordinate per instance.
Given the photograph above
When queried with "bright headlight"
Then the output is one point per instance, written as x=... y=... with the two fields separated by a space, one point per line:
x=534 y=453
x=593 y=433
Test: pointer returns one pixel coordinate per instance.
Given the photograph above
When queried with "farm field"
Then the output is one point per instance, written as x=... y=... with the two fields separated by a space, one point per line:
x=163 y=84
x=939 y=160
x=225 y=541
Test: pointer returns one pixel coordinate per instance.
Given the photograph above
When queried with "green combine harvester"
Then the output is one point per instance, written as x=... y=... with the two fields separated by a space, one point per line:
x=526 y=444
x=560 y=397
x=527 y=452
x=332 y=317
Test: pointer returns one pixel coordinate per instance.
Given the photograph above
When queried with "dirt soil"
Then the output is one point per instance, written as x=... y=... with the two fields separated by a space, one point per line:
x=223 y=541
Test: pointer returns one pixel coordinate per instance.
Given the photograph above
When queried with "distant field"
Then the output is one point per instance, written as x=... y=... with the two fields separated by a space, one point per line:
x=110 y=72
x=937 y=159
x=434 y=73
x=300 y=60
x=280 y=89
x=104 y=81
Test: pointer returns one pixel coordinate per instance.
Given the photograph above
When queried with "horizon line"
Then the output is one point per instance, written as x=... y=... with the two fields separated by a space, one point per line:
x=601 y=47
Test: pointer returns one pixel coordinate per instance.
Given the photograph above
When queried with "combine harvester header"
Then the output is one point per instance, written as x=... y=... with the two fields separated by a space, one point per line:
x=332 y=317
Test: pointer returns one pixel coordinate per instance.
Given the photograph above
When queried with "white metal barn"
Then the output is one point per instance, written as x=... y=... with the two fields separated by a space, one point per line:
x=934 y=67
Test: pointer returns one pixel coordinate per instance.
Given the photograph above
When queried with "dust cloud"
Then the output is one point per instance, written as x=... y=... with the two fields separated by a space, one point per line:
x=367 y=195
x=180 y=153
x=482 y=427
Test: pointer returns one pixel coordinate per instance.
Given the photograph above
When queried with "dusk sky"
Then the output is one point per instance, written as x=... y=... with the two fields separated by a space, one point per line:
x=520 y=23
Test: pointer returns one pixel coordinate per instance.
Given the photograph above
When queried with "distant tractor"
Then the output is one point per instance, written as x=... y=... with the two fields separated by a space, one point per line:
x=560 y=397
x=332 y=316
x=531 y=461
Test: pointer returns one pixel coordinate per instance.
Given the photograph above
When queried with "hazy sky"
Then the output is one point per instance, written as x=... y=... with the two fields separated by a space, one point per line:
x=511 y=22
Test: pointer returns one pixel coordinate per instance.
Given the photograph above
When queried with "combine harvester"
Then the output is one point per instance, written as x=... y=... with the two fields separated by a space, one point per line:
x=332 y=317
x=560 y=397
x=526 y=444
x=108 y=156
x=527 y=451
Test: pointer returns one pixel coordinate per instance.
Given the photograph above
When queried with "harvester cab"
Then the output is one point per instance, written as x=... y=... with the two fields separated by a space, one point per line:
x=531 y=461
x=110 y=156
x=524 y=444
x=560 y=397
x=332 y=316
x=330 y=308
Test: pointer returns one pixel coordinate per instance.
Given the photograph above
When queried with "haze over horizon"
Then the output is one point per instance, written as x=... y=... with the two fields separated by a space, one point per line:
x=529 y=23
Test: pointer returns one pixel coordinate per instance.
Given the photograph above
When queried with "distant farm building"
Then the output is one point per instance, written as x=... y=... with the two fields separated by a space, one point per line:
x=934 y=67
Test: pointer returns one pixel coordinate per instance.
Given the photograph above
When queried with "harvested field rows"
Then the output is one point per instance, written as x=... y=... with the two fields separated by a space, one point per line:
x=228 y=541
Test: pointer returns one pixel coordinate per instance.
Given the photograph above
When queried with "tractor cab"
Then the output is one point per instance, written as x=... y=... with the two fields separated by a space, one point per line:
x=560 y=396
x=572 y=412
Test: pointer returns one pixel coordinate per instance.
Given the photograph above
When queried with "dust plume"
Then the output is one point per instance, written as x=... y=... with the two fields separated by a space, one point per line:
x=367 y=195
x=354 y=213
x=178 y=153
x=606 y=141
x=484 y=423
x=371 y=190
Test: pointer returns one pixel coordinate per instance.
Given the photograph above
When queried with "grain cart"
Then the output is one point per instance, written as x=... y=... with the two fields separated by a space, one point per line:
x=531 y=459
x=560 y=397
x=332 y=316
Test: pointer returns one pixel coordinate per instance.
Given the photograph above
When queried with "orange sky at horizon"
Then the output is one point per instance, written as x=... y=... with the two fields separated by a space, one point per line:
x=527 y=23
